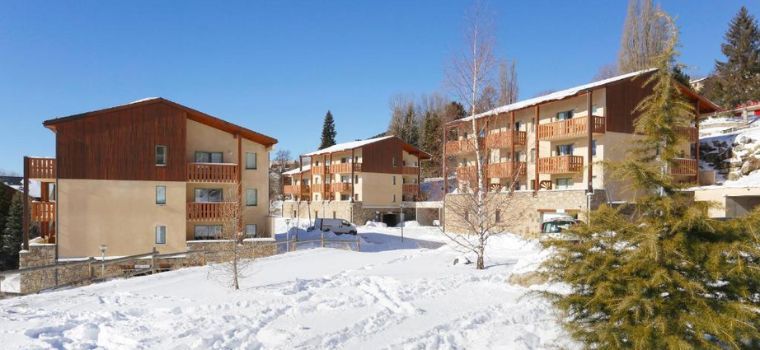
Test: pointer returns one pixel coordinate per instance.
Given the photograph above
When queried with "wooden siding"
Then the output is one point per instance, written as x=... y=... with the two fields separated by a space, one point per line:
x=120 y=145
x=378 y=157
x=622 y=99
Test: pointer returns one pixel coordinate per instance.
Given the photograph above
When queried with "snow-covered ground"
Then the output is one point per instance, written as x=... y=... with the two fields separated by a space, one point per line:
x=389 y=295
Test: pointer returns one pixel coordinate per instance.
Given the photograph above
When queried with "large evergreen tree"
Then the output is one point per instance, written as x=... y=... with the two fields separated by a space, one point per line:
x=10 y=240
x=328 y=131
x=432 y=134
x=737 y=80
x=666 y=276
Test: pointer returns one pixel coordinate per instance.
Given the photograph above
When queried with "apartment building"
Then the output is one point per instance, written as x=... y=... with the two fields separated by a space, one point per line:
x=148 y=174
x=554 y=147
x=356 y=181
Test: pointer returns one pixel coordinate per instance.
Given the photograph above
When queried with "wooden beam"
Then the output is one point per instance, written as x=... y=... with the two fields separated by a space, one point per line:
x=25 y=200
x=353 y=159
x=512 y=156
x=590 y=140
x=240 y=182
x=536 y=156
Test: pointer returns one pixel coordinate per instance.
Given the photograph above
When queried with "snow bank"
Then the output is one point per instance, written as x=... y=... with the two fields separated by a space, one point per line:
x=11 y=284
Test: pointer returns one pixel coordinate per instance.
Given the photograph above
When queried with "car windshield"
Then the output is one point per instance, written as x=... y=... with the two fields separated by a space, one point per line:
x=344 y=222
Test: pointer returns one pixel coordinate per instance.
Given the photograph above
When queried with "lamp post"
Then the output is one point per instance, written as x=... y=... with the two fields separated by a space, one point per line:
x=103 y=248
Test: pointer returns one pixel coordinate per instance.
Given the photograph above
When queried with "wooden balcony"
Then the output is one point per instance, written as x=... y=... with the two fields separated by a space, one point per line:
x=42 y=168
x=343 y=168
x=43 y=211
x=504 y=170
x=410 y=170
x=560 y=165
x=461 y=146
x=342 y=187
x=467 y=174
x=504 y=139
x=209 y=211
x=212 y=172
x=684 y=167
x=318 y=170
x=410 y=189
x=690 y=133
x=297 y=190
x=569 y=129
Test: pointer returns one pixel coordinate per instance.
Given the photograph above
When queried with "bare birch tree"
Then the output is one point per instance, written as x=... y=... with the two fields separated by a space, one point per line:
x=644 y=35
x=232 y=236
x=508 y=88
x=470 y=73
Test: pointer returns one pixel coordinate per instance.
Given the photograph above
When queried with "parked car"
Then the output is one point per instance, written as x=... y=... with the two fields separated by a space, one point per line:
x=558 y=224
x=339 y=226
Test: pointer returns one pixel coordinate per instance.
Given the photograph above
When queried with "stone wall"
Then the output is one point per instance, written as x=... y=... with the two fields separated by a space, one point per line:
x=221 y=250
x=522 y=210
x=37 y=255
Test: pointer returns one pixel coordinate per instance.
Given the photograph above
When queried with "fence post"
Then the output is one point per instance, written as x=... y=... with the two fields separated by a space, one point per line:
x=358 y=243
x=89 y=267
x=323 y=238
x=153 y=261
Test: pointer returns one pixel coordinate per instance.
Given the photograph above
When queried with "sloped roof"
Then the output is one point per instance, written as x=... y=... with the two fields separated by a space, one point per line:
x=192 y=114
x=306 y=167
x=357 y=144
x=573 y=91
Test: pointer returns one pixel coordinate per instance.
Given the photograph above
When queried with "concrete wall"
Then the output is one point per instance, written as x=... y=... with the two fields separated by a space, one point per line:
x=729 y=202
x=378 y=189
x=123 y=215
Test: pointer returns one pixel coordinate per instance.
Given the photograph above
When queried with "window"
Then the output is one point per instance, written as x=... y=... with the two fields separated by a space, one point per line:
x=532 y=155
x=593 y=148
x=345 y=197
x=346 y=179
x=160 y=155
x=208 y=195
x=498 y=215
x=394 y=198
x=208 y=231
x=251 y=197
x=250 y=160
x=517 y=126
x=356 y=179
x=160 y=234
x=565 y=150
x=334 y=214
x=343 y=160
x=394 y=161
x=564 y=183
x=565 y=115
x=250 y=231
x=160 y=194
x=209 y=157
x=356 y=197
x=394 y=179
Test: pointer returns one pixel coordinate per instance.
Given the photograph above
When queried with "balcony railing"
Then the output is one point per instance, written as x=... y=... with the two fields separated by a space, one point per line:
x=689 y=133
x=570 y=128
x=410 y=170
x=342 y=168
x=338 y=187
x=503 y=139
x=297 y=189
x=560 y=165
x=411 y=189
x=461 y=146
x=467 y=173
x=212 y=172
x=318 y=169
x=43 y=211
x=504 y=170
x=42 y=168
x=210 y=211
x=684 y=167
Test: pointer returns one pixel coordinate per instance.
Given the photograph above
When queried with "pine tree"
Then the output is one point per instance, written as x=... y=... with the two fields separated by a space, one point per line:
x=431 y=143
x=328 y=132
x=411 y=133
x=10 y=241
x=737 y=80
x=666 y=276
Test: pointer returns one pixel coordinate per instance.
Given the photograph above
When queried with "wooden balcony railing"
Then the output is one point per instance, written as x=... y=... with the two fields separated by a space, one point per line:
x=342 y=168
x=504 y=170
x=571 y=128
x=298 y=190
x=42 y=168
x=43 y=211
x=411 y=189
x=684 y=167
x=689 y=133
x=410 y=170
x=461 y=146
x=504 y=139
x=318 y=170
x=467 y=173
x=209 y=211
x=342 y=187
x=560 y=165
x=212 y=172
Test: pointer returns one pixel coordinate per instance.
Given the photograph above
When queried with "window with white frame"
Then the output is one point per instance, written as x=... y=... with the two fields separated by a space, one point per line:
x=209 y=157
x=250 y=230
x=207 y=231
x=160 y=155
x=160 y=234
x=209 y=195
x=251 y=197
x=160 y=194
x=563 y=183
x=251 y=161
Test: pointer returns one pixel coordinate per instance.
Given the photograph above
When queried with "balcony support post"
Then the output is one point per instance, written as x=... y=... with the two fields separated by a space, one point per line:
x=300 y=174
x=590 y=140
x=696 y=124
x=442 y=213
x=535 y=137
x=512 y=156
x=353 y=192
x=240 y=182
x=25 y=201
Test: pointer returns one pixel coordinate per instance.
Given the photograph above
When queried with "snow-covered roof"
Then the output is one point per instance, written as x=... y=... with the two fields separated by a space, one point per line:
x=306 y=167
x=558 y=95
x=347 y=146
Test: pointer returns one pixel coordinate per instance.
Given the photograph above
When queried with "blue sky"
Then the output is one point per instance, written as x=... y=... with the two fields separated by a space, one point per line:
x=277 y=66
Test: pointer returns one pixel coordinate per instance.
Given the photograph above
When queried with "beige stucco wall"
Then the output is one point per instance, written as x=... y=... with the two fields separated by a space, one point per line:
x=120 y=214
x=718 y=195
x=201 y=137
x=378 y=188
